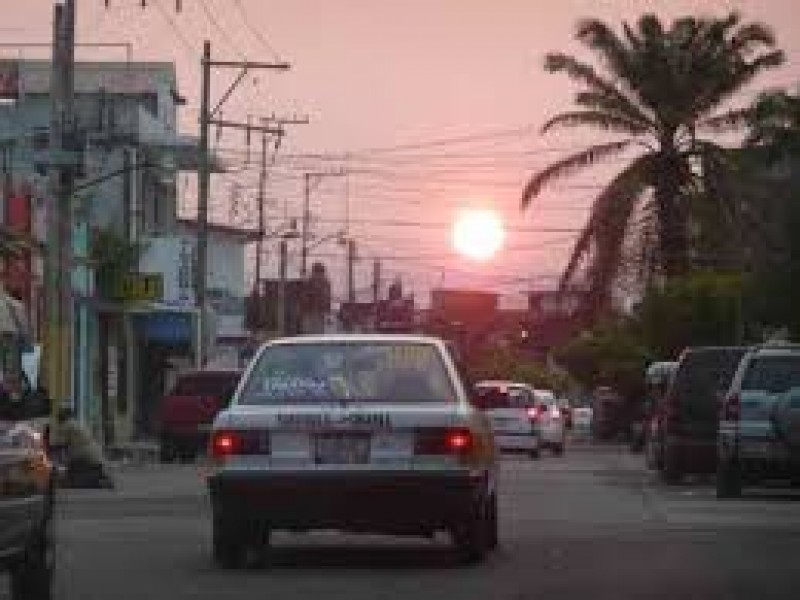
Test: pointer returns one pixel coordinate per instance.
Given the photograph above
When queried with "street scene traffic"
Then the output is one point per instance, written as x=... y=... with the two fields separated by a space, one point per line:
x=444 y=299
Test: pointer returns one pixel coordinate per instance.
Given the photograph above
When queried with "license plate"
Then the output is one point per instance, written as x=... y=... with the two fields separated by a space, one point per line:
x=341 y=449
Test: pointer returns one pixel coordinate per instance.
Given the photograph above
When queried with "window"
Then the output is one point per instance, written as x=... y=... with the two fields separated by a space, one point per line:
x=221 y=385
x=773 y=374
x=348 y=371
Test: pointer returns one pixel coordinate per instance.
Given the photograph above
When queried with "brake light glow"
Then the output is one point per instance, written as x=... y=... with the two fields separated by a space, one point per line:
x=437 y=441
x=223 y=444
x=459 y=441
x=533 y=412
x=226 y=442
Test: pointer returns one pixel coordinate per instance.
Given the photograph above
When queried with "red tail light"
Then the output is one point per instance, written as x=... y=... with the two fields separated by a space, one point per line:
x=231 y=442
x=533 y=413
x=458 y=441
x=732 y=408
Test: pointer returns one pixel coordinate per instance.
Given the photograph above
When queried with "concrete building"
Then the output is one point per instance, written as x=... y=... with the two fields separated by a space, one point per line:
x=131 y=155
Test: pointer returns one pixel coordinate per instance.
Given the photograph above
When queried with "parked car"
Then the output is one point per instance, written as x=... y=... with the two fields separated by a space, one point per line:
x=511 y=410
x=189 y=409
x=550 y=421
x=686 y=419
x=27 y=550
x=759 y=430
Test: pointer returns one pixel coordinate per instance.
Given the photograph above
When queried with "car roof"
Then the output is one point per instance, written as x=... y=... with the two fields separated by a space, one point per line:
x=787 y=350
x=209 y=372
x=353 y=338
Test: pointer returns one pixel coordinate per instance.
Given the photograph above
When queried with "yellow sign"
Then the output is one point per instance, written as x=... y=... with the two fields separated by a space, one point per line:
x=140 y=287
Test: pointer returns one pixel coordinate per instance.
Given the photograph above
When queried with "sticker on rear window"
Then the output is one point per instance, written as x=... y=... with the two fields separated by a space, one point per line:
x=296 y=387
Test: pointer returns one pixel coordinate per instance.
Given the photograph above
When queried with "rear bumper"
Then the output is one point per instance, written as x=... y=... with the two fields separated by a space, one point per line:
x=523 y=442
x=388 y=502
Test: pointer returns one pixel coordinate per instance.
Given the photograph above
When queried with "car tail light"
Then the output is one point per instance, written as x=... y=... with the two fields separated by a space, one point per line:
x=732 y=408
x=533 y=413
x=236 y=442
x=453 y=441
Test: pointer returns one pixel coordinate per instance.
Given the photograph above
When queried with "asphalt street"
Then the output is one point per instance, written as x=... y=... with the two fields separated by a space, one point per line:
x=591 y=524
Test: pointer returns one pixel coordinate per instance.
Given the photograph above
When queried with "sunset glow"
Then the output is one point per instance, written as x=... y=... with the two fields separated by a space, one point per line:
x=478 y=234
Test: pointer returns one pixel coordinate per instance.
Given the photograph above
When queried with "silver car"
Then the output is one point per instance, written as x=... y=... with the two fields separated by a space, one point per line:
x=759 y=430
x=360 y=433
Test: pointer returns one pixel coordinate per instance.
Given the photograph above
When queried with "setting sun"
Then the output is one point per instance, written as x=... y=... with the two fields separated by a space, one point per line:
x=478 y=233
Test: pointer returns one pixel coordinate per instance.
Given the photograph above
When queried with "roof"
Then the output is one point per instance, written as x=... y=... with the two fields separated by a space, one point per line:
x=90 y=77
x=357 y=337
x=243 y=235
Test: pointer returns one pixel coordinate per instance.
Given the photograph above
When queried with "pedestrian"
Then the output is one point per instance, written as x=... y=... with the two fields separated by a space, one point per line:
x=82 y=456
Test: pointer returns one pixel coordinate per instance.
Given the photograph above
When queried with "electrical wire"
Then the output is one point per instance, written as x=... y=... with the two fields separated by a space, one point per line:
x=221 y=30
x=256 y=32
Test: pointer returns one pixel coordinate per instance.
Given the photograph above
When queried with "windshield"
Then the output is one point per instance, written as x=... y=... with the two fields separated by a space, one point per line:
x=773 y=374
x=373 y=372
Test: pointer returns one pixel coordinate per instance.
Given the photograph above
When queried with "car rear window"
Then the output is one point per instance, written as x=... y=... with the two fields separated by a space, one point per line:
x=383 y=372
x=773 y=374
x=216 y=384
x=701 y=375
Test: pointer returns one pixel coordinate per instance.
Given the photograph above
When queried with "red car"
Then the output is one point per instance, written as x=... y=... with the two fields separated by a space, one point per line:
x=188 y=411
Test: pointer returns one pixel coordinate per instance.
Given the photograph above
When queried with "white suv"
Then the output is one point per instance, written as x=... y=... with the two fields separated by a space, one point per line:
x=759 y=432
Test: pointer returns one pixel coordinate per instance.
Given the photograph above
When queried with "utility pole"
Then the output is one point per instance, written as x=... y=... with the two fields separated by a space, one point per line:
x=308 y=180
x=376 y=289
x=351 y=261
x=262 y=226
x=262 y=183
x=284 y=257
x=58 y=291
x=207 y=119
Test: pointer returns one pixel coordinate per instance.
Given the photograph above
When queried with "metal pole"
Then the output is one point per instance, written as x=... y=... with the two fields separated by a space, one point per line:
x=203 y=181
x=262 y=184
x=284 y=255
x=306 y=219
x=351 y=259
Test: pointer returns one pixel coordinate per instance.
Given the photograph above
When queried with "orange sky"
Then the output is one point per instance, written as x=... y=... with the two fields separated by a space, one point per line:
x=375 y=73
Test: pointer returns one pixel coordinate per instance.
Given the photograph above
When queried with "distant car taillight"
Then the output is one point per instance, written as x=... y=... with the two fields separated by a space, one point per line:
x=238 y=442
x=533 y=413
x=732 y=408
x=457 y=441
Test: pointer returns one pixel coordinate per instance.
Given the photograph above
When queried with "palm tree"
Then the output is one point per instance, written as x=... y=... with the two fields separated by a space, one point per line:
x=775 y=124
x=659 y=89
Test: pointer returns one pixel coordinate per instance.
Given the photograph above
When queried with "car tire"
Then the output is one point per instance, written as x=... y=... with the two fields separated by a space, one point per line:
x=671 y=471
x=534 y=454
x=494 y=524
x=472 y=537
x=32 y=576
x=729 y=481
x=558 y=449
x=228 y=544
x=166 y=450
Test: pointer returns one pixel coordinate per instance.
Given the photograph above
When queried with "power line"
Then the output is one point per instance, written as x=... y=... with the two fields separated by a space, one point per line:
x=178 y=31
x=225 y=35
x=256 y=32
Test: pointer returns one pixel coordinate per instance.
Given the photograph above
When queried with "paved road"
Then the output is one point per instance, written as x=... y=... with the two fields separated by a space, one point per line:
x=592 y=524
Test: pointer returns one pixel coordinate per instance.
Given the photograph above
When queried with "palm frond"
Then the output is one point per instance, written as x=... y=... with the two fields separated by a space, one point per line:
x=570 y=165
x=601 y=38
x=556 y=62
x=607 y=225
x=729 y=121
x=751 y=36
x=617 y=105
x=595 y=118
